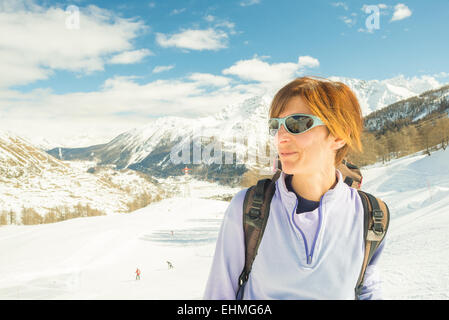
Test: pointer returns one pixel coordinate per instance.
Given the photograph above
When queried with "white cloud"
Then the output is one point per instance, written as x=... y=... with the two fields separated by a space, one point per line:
x=223 y=24
x=195 y=94
x=20 y=68
x=128 y=57
x=366 y=30
x=37 y=41
x=263 y=57
x=159 y=69
x=257 y=70
x=379 y=5
x=209 y=18
x=442 y=74
x=177 y=11
x=214 y=37
x=208 y=79
x=383 y=9
x=226 y=24
x=340 y=4
x=348 y=21
x=308 y=62
x=194 y=39
x=401 y=11
x=62 y=115
x=247 y=3
x=124 y=102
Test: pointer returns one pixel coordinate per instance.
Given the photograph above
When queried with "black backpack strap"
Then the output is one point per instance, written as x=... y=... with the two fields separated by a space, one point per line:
x=376 y=221
x=256 y=209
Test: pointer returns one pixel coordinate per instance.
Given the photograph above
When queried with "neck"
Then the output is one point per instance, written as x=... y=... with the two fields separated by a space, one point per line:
x=313 y=186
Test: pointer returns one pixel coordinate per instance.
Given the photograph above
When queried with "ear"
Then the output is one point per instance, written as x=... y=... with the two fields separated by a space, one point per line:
x=336 y=142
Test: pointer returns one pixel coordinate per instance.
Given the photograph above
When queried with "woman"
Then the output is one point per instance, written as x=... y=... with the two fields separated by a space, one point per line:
x=313 y=243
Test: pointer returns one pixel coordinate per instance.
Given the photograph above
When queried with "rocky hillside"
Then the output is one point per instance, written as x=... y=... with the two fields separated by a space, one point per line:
x=32 y=178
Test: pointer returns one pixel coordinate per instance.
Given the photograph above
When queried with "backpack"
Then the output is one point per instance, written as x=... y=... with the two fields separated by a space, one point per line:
x=256 y=208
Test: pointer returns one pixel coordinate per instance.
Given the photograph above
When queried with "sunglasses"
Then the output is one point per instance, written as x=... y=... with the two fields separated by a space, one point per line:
x=295 y=123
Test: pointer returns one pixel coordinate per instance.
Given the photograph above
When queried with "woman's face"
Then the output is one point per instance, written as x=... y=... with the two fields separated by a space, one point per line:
x=307 y=152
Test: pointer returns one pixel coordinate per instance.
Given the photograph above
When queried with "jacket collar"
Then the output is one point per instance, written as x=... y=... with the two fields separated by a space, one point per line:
x=288 y=198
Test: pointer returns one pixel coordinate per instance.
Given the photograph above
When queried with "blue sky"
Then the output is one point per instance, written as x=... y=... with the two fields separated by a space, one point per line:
x=123 y=62
x=278 y=30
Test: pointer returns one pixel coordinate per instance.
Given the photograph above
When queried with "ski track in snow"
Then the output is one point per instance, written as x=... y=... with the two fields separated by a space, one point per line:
x=96 y=257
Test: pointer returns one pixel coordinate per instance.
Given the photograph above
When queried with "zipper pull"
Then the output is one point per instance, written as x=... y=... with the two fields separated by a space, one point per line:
x=309 y=259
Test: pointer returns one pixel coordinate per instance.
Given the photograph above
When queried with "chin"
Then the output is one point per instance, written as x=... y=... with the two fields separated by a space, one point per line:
x=288 y=167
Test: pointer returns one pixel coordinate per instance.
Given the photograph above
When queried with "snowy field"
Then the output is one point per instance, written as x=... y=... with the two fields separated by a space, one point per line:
x=415 y=260
x=96 y=258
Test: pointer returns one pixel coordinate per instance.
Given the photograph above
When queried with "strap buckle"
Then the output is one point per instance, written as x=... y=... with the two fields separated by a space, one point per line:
x=254 y=213
x=256 y=208
x=378 y=215
x=243 y=278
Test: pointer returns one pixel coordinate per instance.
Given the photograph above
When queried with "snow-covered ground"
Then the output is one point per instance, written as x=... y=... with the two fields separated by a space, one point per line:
x=96 y=257
x=415 y=261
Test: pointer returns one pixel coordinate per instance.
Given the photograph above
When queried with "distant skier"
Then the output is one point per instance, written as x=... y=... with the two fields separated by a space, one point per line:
x=170 y=266
x=137 y=274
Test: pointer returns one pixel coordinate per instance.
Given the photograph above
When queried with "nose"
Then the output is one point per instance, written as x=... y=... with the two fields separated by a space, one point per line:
x=282 y=135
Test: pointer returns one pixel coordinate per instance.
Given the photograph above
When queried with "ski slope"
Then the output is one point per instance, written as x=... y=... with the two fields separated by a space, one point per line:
x=415 y=260
x=96 y=257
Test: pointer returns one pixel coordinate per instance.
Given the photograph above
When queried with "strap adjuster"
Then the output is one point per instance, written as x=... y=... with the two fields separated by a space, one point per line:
x=254 y=213
x=378 y=215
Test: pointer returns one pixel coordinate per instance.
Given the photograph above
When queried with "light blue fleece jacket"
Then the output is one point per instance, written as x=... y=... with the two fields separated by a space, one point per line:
x=317 y=255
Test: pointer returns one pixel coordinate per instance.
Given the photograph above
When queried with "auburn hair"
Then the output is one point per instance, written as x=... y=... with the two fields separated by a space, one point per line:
x=333 y=102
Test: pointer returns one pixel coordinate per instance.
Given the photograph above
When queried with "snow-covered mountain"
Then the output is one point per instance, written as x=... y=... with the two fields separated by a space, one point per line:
x=31 y=178
x=96 y=257
x=239 y=132
x=239 y=129
x=376 y=94
x=372 y=94
x=19 y=158
x=75 y=141
x=433 y=103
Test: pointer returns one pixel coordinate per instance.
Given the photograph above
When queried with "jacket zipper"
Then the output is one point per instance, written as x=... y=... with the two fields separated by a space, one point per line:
x=309 y=257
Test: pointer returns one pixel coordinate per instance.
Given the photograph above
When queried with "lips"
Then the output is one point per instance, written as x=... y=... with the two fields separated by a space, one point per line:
x=287 y=153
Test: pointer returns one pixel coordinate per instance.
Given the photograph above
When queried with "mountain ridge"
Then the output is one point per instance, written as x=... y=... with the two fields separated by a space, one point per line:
x=372 y=95
x=239 y=129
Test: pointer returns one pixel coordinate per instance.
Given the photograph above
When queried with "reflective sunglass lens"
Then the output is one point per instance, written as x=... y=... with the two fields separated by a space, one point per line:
x=298 y=124
x=273 y=126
